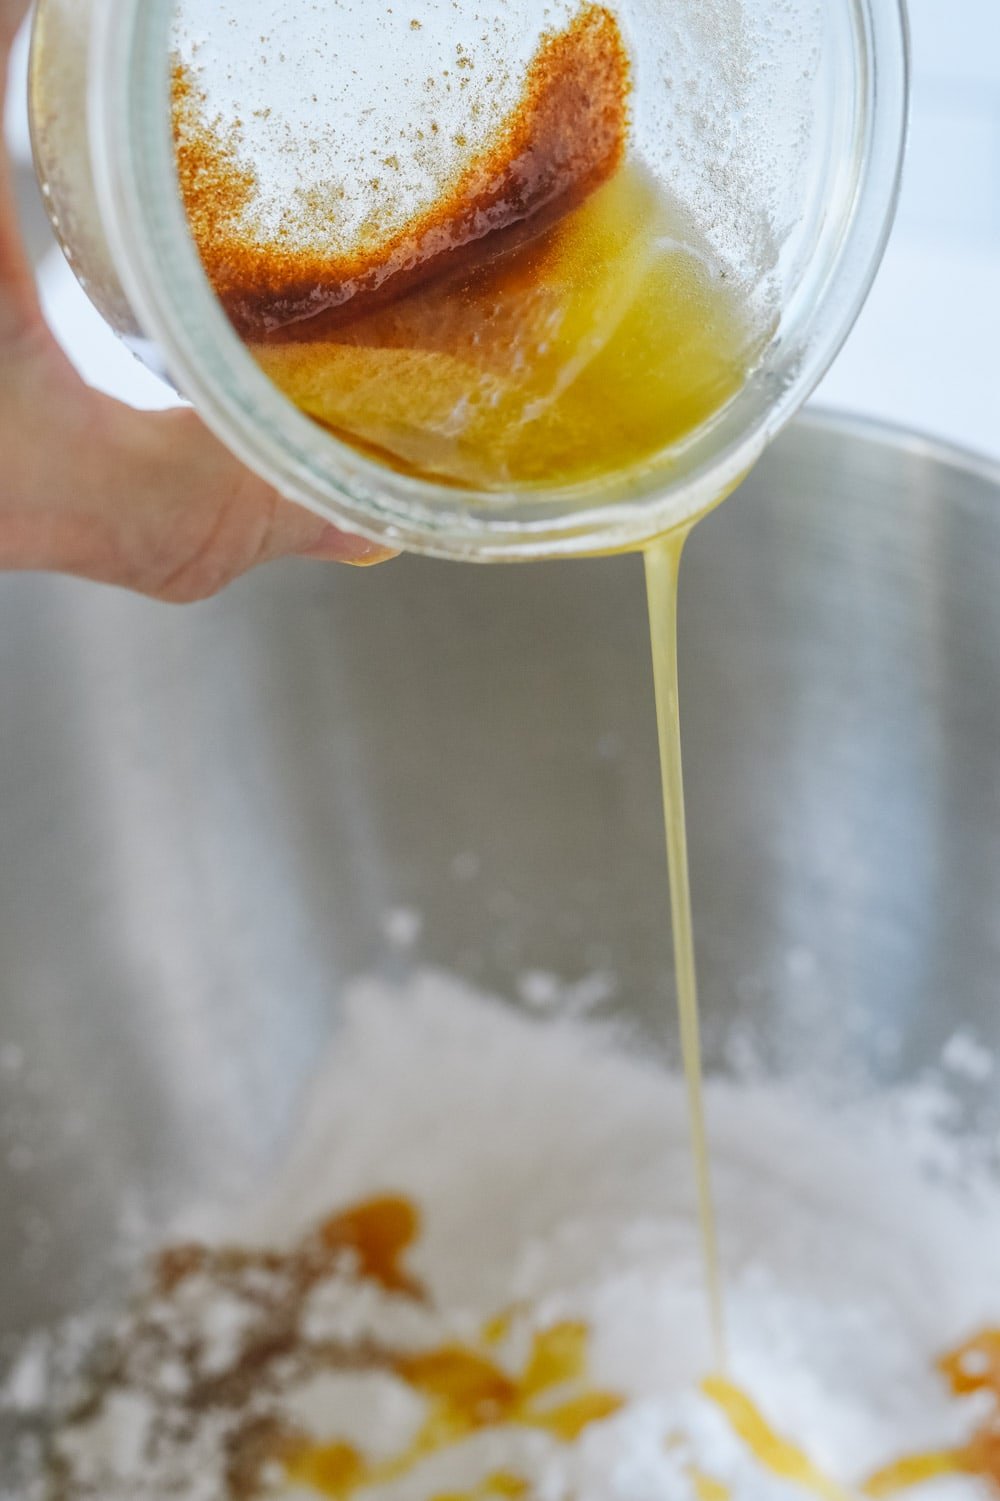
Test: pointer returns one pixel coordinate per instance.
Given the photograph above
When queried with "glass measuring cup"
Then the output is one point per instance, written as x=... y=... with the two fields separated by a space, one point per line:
x=778 y=123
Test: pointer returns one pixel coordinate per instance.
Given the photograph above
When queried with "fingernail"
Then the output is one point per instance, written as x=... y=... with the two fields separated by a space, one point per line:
x=335 y=546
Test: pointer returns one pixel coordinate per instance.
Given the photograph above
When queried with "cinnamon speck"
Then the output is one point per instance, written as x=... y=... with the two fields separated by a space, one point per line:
x=564 y=137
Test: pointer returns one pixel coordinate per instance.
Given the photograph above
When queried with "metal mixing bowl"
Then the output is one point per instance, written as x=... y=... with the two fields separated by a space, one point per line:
x=206 y=816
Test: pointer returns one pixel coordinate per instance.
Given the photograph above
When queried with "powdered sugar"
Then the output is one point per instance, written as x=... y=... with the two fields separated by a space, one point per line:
x=964 y=1054
x=26 y=1388
x=552 y=1174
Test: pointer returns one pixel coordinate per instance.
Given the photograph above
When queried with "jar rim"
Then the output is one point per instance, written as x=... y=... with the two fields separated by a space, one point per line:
x=135 y=178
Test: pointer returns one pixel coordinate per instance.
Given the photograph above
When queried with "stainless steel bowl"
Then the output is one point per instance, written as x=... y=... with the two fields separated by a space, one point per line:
x=205 y=816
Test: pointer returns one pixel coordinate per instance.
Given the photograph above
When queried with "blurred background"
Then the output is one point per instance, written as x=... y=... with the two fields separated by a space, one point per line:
x=926 y=351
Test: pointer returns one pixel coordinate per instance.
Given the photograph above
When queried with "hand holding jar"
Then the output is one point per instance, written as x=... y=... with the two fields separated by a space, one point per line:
x=153 y=502
x=498 y=281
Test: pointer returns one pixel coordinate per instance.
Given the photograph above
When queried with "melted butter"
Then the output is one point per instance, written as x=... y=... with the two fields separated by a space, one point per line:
x=773 y=1452
x=587 y=351
x=972 y=1369
x=497 y=1328
x=501 y=1484
x=330 y=1469
x=974 y=1366
x=905 y=1474
x=467 y=1392
x=789 y=1462
x=707 y=1489
x=376 y=1234
x=663 y=560
x=558 y=1356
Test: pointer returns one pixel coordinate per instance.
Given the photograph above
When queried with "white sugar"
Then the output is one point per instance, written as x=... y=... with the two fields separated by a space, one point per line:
x=552 y=1174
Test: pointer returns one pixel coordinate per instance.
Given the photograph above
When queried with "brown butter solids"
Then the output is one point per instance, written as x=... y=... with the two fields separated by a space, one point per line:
x=566 y=136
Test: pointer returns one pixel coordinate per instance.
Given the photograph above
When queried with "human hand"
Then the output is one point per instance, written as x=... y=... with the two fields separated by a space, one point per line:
x=151 y=501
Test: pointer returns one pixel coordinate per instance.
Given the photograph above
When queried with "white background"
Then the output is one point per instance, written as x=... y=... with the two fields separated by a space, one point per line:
x=926 y=351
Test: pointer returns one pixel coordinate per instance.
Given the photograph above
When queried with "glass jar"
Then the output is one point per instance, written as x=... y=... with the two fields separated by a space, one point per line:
x=782 y=120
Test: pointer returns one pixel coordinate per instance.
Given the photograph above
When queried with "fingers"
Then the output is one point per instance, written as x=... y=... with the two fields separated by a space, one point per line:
x=19 y=310
x=187 y=518
x=154 y=503
x=12 y=13
x=149 y=501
